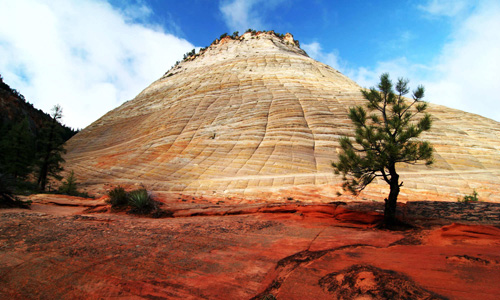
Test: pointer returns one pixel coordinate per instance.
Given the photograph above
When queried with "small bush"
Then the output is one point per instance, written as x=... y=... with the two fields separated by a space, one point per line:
x=140 y=201
x=118 y=197
x=7 y=198
x=68 y=186
x=26 y=188
x=137 y=202
x=470 y=198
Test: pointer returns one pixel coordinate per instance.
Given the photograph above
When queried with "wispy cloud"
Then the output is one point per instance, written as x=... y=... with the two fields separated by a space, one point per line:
x=136 y=10
x=448 y=8
x=243 y=14
x=314 y=50
x=87 y=56
x=399 y=67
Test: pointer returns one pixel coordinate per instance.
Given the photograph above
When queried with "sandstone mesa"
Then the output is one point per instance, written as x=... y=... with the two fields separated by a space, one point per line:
x=256 y=116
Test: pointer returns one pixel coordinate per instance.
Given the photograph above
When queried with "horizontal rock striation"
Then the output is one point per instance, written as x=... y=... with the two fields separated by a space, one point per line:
x=255 y=116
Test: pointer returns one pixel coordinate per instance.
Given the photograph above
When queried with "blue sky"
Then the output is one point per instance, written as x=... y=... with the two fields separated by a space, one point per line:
x=92 y=55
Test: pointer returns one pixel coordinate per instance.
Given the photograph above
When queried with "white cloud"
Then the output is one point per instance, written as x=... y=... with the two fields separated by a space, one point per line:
x=237 y=14
x=314 y=50
x=244 y=14
x=366 y=77
x=464 y=75
x=466 y=72
x=85 y=55
x=397 y=68
x=448 y=8
x=137 y=11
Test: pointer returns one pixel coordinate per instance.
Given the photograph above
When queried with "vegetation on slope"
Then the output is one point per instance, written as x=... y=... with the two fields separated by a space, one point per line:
x=235 y=36
x=31 y=143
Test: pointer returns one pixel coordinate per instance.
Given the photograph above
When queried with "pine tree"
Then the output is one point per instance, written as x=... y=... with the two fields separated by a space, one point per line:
x=18 y=151
x=51 y=149
x=386 y=137
x=68 y=186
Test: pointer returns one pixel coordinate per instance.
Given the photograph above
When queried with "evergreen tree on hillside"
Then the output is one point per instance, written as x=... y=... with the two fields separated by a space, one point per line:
x=18 y=151
x=384 y=138
x=50 y=149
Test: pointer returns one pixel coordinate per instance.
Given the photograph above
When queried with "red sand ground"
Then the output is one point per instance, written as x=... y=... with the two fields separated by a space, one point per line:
x=71 y=248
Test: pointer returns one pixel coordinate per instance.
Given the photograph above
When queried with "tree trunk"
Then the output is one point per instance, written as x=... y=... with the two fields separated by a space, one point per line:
x=44 y=170
x=42 y=179
x=391 y=202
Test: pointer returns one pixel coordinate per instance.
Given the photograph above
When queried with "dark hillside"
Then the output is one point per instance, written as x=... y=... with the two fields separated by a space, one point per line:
x=14 y=109
x=31 y=142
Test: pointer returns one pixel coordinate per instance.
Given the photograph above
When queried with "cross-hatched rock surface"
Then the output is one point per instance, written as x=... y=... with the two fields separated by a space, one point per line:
x=255 y=116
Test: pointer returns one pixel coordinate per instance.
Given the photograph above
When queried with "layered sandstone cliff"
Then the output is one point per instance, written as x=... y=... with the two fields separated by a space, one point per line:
x=256 y=116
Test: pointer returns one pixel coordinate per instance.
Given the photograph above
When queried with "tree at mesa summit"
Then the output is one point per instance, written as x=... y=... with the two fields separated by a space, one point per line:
x=385 y=134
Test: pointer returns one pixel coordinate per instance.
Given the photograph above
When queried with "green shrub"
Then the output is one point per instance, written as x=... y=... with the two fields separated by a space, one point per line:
x=118 y=197
x=68 y=186
x=137 y=202
x=140 y=201
x=7 y=198
x=470 y=198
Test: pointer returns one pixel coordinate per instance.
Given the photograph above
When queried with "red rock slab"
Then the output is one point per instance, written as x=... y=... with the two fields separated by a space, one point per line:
x=470 y=234
x=466 y=268
x=65 y=200
x=298 y=252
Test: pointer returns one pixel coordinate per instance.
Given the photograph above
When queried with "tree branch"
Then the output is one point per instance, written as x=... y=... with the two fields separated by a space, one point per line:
x=385 y=176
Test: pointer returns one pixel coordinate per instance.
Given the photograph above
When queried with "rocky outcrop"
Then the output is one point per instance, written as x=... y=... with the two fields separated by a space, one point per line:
x=254 y=116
